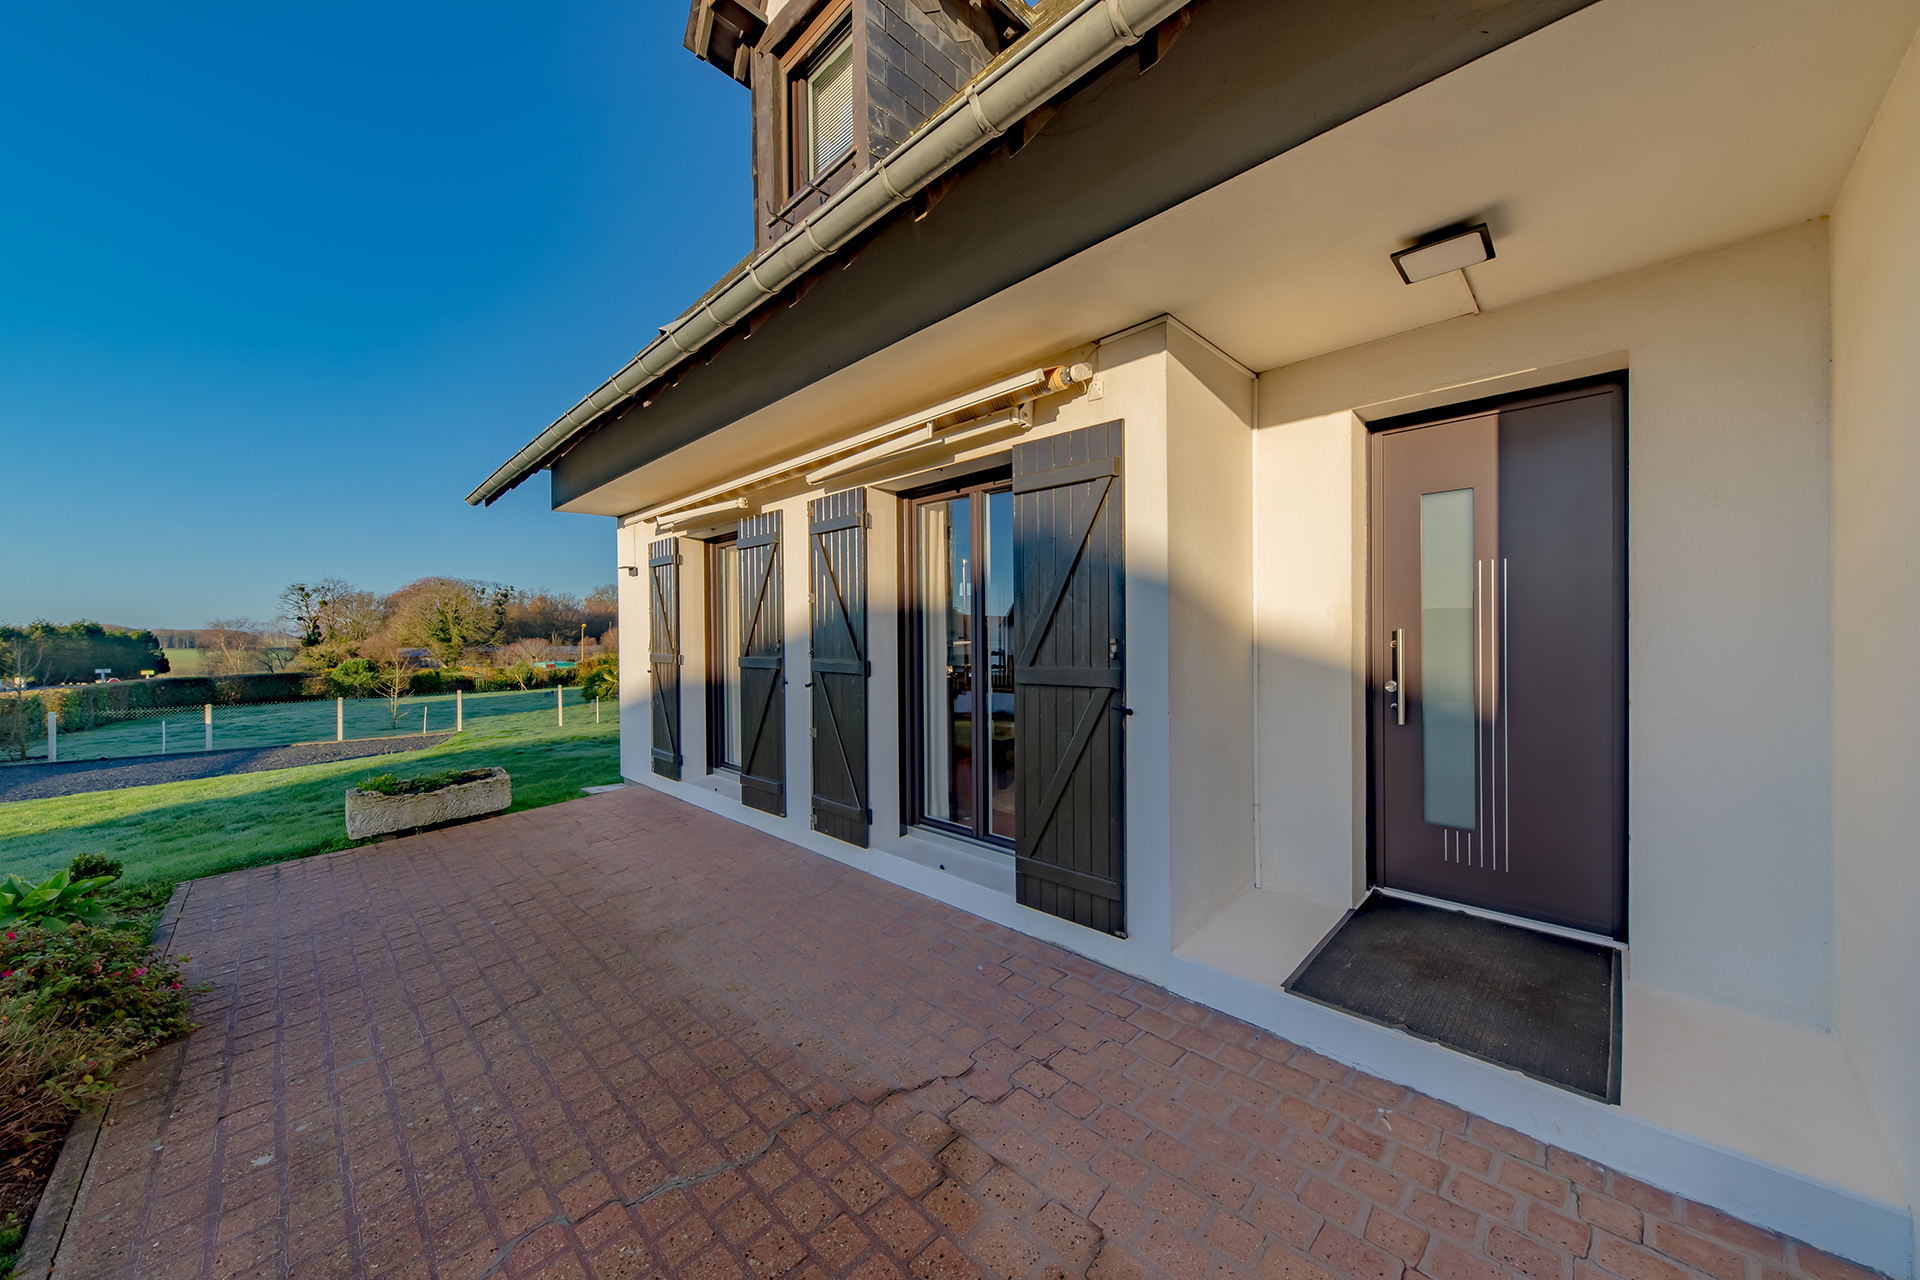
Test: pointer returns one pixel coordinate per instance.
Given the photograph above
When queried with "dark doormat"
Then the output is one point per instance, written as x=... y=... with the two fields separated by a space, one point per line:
x=1543 y=1005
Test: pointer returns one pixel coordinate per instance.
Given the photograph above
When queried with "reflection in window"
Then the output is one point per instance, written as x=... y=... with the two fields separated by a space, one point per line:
x=996 y=635
x=725 y=595
x=946 y=608
x=963 y=573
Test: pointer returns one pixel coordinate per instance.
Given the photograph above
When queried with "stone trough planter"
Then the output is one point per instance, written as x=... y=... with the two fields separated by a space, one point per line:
x=369 y=813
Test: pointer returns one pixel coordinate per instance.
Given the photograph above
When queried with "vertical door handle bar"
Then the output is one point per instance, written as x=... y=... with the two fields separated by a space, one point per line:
x=1397 y=681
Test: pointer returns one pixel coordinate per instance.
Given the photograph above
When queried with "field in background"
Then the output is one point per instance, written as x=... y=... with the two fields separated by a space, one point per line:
x=280 y=724
x=182 y=830
x=186 y=662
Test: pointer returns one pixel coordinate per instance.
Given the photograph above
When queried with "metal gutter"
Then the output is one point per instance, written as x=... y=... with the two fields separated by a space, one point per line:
x=1087 y=35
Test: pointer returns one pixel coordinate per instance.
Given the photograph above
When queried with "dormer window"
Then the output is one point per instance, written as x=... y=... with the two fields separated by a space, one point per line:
x=823 y=108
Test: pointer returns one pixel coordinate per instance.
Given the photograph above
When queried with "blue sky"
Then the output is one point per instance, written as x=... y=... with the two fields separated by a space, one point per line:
x=279 y=284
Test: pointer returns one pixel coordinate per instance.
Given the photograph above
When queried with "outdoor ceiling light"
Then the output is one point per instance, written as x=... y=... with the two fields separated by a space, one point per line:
x=1437 y=257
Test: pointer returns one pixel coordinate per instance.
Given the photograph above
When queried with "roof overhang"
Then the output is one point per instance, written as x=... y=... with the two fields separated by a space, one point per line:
x=723 y=32
x=1629 y=133
x=1248 y=80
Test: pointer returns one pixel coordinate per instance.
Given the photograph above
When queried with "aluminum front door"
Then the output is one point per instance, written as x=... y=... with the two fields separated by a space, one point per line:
x=1497 y=659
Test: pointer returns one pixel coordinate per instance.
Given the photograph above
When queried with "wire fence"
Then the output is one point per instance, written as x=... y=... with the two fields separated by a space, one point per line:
x=154 y=731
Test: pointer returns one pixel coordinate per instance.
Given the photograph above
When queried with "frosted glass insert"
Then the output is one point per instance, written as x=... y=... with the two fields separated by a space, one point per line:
x=1446 y=657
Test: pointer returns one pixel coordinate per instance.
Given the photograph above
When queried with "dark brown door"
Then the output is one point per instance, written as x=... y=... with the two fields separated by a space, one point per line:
x=763 y=666
x=839 y=669
x=1498 y=658
x=663 y=572
x=1069 y=670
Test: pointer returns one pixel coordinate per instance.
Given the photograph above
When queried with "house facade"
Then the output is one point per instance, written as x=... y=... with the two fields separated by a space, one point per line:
x=1193 y=482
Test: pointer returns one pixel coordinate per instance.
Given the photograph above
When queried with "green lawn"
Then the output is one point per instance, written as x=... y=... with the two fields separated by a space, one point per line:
x=278 y=724
x=182 y=830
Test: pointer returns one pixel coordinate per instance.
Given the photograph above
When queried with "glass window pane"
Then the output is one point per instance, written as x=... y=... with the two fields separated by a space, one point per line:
x=945 y=538
x=997 y=640
x=830 y=107
x=730 y=648
x=1446 y=657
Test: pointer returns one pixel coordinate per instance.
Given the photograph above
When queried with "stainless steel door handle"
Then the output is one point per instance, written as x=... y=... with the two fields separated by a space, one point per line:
x=1397 y=647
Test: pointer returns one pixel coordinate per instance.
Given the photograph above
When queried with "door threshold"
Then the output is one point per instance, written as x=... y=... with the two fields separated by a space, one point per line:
x=1500 y=917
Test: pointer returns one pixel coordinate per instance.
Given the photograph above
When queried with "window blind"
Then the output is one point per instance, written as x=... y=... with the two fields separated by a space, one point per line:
x=830 y=107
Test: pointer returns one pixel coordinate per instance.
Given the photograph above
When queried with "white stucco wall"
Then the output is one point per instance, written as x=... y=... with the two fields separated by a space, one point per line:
x=1310 y=531
x=1876 y=615
x=1209 y=441
x=1728 y=597
x=636 y=706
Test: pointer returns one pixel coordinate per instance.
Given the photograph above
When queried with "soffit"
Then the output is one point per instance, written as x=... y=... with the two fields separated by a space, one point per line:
x=1628 y=133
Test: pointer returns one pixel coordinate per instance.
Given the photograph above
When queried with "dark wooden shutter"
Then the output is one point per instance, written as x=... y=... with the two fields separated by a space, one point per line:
x=763 y=676
x=1069 y=655
x=663 y=642
x=837 y=604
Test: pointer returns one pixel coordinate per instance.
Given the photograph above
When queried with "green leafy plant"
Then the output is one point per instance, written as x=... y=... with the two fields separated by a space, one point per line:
x=59 y=899
x=103 y=979
x=388 y=784
x=12 y=1235
x=601 y=679
x=92 y=866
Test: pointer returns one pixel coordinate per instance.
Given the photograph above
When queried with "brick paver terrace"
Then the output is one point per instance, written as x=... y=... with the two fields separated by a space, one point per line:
x=623 y=1037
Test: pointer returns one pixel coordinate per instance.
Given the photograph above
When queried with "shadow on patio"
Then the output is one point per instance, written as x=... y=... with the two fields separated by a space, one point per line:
x=625 y=1037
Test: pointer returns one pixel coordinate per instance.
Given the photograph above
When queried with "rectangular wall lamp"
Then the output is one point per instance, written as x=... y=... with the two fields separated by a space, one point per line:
x=1436 y=258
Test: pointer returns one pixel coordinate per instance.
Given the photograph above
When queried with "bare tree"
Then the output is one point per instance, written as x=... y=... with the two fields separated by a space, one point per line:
x=22 y=658
x=393 y=684
x=278 y=650
x=233 y=645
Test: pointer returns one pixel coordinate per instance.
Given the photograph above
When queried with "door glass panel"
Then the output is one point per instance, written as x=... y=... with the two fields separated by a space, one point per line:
x=728 y=591
x=999 y=616
x=1446 y=657
x=946 y=605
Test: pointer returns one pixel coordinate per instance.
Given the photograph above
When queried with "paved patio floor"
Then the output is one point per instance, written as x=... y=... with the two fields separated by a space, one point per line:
x=622 y=1037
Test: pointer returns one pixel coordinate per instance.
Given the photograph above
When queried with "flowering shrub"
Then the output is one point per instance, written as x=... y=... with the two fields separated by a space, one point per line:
x=47 y=1072
x=103 y=979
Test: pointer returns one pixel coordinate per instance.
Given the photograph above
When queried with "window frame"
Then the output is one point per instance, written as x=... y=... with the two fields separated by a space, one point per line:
x=818 y=43
x=839 y=38
x=976 y=487
x=716 y=694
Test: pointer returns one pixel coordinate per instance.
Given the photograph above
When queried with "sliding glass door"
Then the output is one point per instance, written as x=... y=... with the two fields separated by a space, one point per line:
x=723 y=654
x=962 y=563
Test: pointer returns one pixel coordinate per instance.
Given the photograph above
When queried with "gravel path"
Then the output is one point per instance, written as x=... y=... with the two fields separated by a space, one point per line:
x=39 y=781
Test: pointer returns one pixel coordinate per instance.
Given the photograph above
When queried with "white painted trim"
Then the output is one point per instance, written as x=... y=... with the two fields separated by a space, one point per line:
x=1842 y=1222
x=1169 y=319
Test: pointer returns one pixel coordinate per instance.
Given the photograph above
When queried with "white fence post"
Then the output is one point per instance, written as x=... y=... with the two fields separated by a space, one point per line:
x=53 y=739
x=560 y=703
x=163 y=737
x=207 y=714
x=596 y=708
x=423 y=719
x=339 y=719
x=459 y=712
